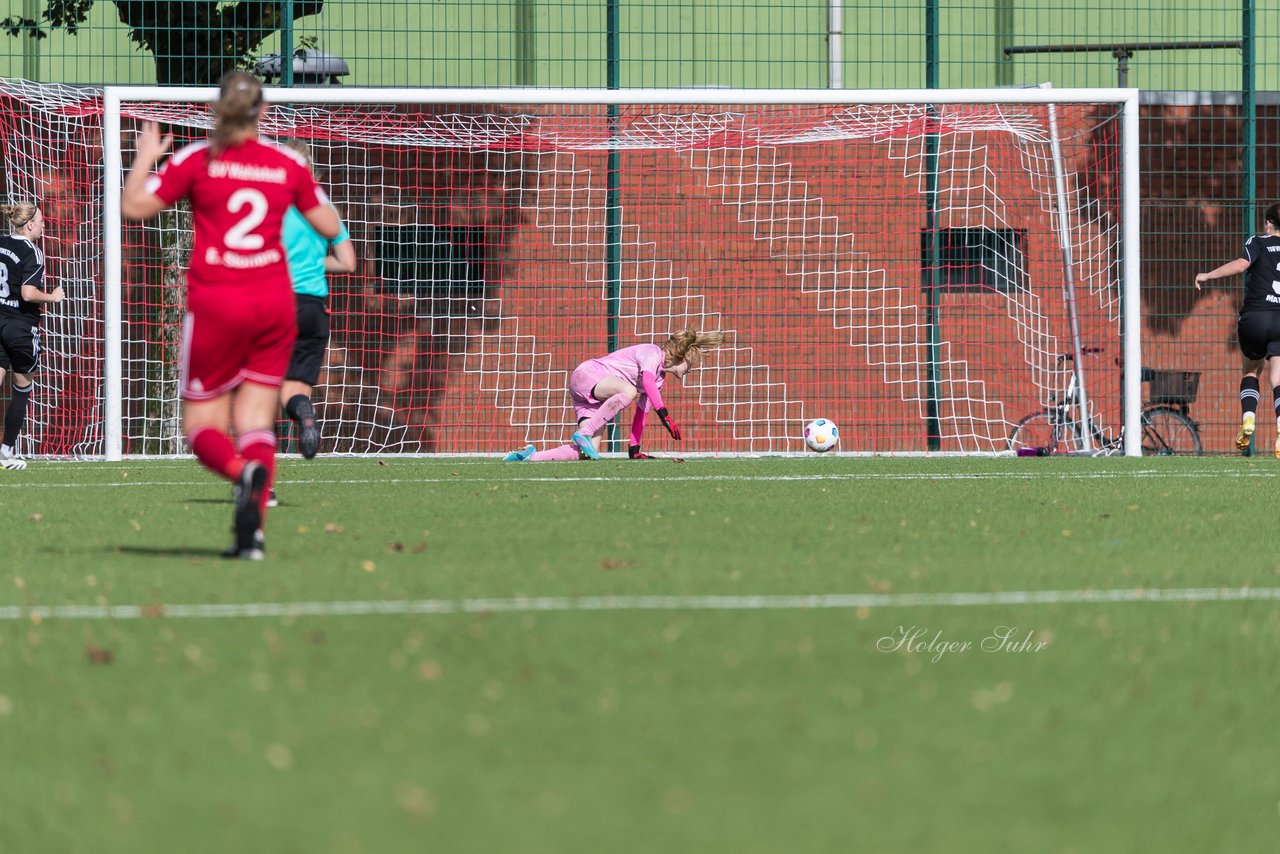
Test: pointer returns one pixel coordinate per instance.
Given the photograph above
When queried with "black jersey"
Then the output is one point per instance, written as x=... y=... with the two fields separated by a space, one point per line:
x=21 y=263
x=1262 y=279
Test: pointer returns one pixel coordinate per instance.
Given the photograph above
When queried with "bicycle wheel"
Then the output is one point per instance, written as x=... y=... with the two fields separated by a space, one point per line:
x=1167 y=432
x=1045 y=430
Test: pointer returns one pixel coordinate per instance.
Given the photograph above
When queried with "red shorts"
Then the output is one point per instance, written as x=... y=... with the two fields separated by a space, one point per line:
x=236 y=334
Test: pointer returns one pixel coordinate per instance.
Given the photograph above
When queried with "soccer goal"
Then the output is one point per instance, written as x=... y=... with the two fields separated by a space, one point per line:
x=914 y=265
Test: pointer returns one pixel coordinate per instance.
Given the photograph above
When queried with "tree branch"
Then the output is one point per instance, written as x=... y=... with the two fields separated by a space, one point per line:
x=196 y=41
x=192 y=41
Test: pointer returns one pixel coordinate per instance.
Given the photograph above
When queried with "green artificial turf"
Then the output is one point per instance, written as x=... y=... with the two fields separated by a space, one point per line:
x=1099 y=726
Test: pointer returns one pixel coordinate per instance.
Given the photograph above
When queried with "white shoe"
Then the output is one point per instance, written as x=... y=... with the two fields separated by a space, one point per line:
x=12 y=463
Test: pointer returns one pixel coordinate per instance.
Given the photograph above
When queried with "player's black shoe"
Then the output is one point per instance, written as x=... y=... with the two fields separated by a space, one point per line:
x=247 y=521
x=308 y=438
x=308 y=430
x=257 y=551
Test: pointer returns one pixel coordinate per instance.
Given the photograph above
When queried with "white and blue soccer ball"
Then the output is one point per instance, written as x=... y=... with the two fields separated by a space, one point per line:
x=821 y=434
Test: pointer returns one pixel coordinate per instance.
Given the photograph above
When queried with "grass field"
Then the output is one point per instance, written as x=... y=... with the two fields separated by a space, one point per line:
x=462 y=655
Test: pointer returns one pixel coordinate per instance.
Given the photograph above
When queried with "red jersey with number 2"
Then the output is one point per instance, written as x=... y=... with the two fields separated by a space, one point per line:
x=238 y=201
x=241 y=314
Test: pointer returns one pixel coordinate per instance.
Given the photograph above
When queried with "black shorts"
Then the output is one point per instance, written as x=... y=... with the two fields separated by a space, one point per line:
x=313 y=338
x=1259 y=334
x=19 y=345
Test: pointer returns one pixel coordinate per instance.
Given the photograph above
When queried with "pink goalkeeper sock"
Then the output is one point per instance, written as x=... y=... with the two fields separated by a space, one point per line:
x=563 y=453
x=610 y=408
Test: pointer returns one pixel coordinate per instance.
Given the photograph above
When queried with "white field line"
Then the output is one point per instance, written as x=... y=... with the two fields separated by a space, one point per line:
x=525 y=605
x=1155 y=474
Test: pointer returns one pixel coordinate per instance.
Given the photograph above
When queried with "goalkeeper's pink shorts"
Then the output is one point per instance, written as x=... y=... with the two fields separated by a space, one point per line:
x=581 y=384
x=233 y=334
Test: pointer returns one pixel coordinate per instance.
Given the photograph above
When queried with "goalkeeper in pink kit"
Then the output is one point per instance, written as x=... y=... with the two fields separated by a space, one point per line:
x=603 y=387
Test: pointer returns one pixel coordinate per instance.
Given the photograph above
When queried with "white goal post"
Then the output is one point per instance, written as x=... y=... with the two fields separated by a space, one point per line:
x=909 y=263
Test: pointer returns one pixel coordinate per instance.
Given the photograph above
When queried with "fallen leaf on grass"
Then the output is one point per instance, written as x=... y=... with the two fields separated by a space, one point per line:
x=279 y=757
x=98 y=655
x=416 y=801
x=333 y=528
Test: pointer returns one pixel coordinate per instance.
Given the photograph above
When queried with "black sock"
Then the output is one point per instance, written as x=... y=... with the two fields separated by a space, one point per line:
x=299 y=408
x=16 y=415
x=1275 y=398
x=1249 y=396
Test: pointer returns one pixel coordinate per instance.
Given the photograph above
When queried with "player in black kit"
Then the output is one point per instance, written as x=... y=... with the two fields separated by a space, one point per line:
x=1258 y=329
x=21 y=297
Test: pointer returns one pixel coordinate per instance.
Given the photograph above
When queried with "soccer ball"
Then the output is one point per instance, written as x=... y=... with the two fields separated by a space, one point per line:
x=821 y=434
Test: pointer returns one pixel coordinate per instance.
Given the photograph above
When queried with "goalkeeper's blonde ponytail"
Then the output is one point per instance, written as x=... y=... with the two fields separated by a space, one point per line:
x=301 y=147
x=689 y=344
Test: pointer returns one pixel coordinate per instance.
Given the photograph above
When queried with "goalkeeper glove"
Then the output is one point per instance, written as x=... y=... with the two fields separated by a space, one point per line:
x=672 y=427
x=635 y=453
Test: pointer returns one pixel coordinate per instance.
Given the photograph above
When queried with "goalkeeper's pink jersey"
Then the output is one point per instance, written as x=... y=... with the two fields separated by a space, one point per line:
x=630 y=363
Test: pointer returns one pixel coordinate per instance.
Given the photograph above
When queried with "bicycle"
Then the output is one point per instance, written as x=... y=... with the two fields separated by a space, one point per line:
x=1167 y=426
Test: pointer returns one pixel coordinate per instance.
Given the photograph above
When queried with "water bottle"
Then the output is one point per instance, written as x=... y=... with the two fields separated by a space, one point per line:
x=1033 y=452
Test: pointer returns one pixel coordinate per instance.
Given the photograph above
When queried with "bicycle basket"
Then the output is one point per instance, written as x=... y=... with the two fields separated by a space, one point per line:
x=1175 y=387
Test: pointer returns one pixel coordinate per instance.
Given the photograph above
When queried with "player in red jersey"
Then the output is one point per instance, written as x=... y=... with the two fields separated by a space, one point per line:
x=241 y=319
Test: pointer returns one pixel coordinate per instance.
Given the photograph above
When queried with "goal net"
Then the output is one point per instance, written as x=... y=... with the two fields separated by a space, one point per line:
x=911 y=265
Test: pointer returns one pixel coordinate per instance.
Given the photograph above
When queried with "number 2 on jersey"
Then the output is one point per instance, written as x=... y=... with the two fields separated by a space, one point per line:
x=240 y=236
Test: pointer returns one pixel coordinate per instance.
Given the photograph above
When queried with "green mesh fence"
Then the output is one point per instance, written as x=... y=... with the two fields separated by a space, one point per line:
x=738 y=43
x=1209 y=72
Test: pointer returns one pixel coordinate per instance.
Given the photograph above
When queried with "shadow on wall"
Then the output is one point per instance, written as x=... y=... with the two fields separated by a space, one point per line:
x=434 y=246
x=1192 y=198
x=1192 y=207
